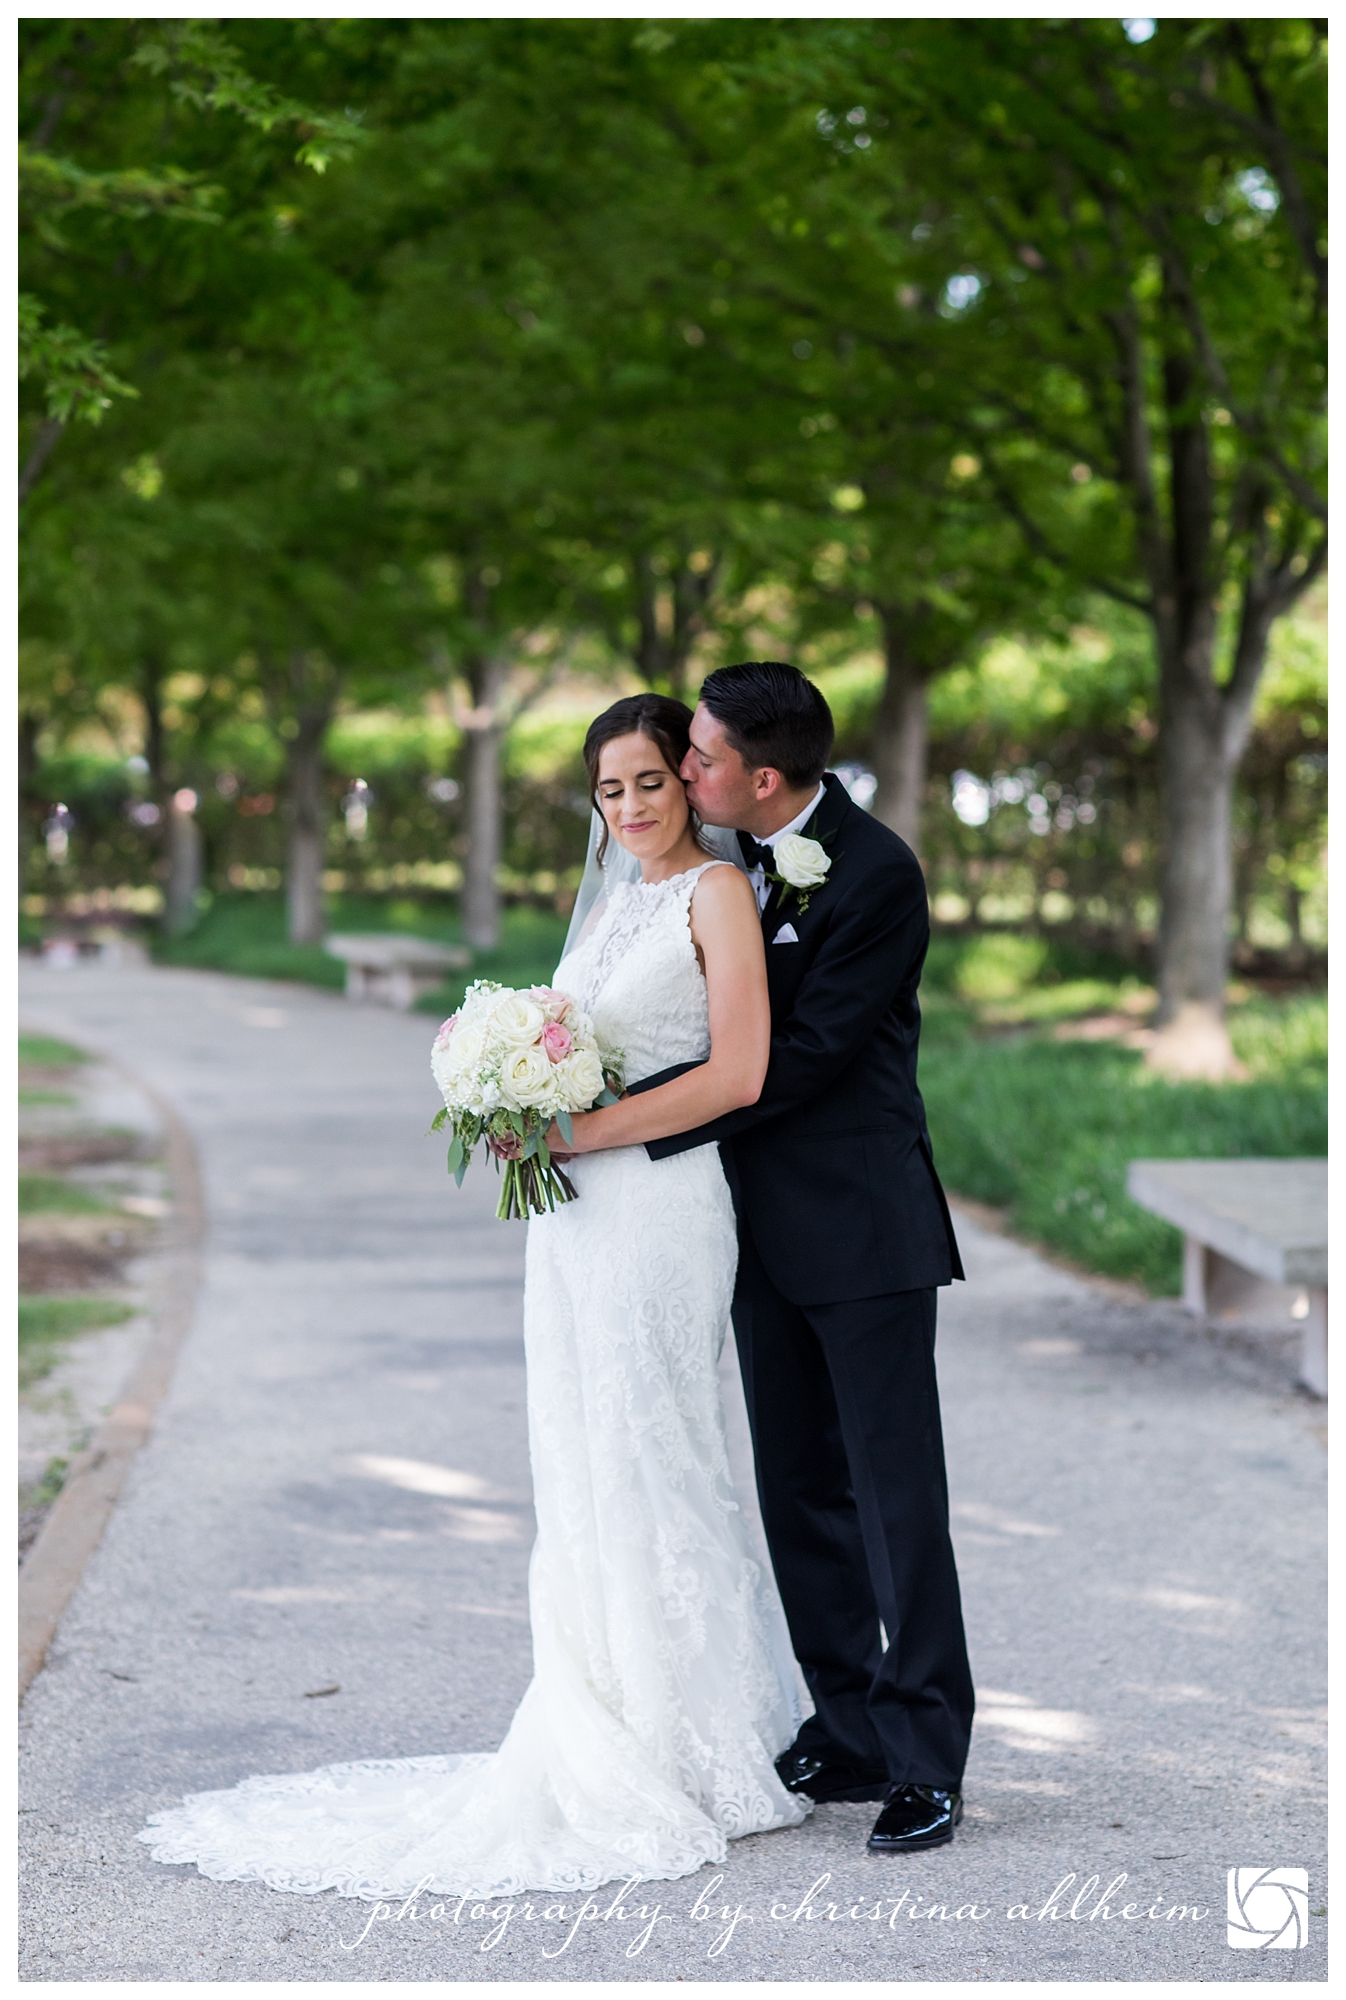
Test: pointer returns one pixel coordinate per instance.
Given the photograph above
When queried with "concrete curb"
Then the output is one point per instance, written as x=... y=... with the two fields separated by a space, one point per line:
x=74 y=1527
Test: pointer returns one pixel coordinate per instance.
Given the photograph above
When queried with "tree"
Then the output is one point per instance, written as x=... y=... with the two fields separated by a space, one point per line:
x=625 y=328
x=99 y=83
x=180 y=318
x=1153 y=283
x=297 y=542
x=760 y=386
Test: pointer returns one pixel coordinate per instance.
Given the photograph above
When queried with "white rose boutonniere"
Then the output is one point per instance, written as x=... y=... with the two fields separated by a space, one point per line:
x=802 y=865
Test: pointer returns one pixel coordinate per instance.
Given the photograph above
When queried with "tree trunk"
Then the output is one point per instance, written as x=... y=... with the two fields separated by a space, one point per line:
x=1196 y=735
x=306 y=844
x=1197 y=785
x=901 y=734
x=485 y=842
x=1246 y=861
x=151 y=695
x=1204 y=732
x=28 y=727
x=183 y=848
x=174 y=851
x=45 y=443
x=692 y=593
x=662 y=657
x=1296 y=955
x=650 y=644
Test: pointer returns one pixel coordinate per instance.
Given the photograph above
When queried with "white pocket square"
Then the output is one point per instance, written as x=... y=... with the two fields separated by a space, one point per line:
x=787 y=934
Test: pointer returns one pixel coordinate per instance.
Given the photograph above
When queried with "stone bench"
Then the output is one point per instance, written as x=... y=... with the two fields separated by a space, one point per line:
x=393 y=970
x=1255 y=1240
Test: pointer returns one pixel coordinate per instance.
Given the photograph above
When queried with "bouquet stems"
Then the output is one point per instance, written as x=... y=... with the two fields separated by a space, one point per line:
x=529 y=1188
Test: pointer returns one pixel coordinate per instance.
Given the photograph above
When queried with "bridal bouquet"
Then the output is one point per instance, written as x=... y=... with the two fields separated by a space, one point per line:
x=508 y=1063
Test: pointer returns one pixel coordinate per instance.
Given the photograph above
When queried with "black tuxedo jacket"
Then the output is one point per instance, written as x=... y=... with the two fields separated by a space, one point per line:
x=831 y=1169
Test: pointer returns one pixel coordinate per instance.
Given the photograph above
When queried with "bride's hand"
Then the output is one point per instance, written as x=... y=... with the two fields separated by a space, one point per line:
x=582 y=1123
x=566 y=1149
x=556 y=1145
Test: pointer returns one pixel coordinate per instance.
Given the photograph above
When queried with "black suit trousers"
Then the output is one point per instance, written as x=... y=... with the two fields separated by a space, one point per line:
x=844 y=1409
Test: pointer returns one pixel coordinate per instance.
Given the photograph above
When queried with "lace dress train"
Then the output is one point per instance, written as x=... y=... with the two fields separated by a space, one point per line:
x=663 y=1683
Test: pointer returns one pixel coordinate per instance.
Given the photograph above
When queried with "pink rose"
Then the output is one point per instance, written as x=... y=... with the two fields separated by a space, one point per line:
x=553 y=1004
x=446 y=1029
x=557 y=1041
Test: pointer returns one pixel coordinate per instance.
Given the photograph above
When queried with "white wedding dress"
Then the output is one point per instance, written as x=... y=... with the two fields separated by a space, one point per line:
x=663 y=1683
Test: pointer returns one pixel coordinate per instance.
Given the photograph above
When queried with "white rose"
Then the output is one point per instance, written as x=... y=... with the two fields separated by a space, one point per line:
x=802 y=863
x=580 y=1077
x=480 y=996
x=517 y=1020
x=439 y=1069
x=525 y=1079
x=462 y=1054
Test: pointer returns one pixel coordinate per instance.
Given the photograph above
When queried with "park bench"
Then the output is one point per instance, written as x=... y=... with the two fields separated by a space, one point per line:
x=1255 y=1240
x=393 y=970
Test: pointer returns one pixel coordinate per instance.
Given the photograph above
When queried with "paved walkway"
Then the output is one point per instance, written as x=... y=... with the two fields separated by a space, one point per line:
x=336 y=1497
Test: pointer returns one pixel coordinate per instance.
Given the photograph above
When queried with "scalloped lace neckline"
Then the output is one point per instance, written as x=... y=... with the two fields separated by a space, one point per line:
x=670 y=881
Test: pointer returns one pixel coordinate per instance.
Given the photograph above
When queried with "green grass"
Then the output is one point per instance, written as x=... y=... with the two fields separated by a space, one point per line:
x=1046 y=1129
x=47 y=1097
x=246 y=934
x=46 y=1323
x=45 y=1491
x=48 y=1194
x=1006 y=968
x=45 y=1052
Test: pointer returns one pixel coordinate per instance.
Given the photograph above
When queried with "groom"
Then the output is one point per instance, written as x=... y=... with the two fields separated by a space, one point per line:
x=844 y=1235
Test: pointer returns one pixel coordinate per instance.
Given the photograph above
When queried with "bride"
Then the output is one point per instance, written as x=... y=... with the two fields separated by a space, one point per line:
x=663 y=1683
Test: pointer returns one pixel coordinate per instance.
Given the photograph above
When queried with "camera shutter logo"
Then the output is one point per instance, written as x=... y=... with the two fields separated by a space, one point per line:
x=1268 y=1909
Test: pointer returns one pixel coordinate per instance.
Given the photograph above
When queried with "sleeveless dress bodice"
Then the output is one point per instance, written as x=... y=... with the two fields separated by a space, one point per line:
x=637 y=975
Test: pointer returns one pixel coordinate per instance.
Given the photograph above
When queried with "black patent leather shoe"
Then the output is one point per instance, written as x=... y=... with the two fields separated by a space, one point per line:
x=913 y=1817
x=819 y=1777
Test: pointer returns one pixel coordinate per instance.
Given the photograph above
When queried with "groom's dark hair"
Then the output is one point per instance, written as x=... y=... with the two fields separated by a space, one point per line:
x=773 y=717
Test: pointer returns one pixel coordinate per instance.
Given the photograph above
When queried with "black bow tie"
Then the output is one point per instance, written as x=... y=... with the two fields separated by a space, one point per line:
x=754 y=854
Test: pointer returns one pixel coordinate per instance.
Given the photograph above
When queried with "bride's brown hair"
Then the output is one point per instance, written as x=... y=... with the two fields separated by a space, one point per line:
x=665 y=721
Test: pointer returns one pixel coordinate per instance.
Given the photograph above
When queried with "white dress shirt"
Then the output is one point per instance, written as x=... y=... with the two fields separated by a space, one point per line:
x=761 y=888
